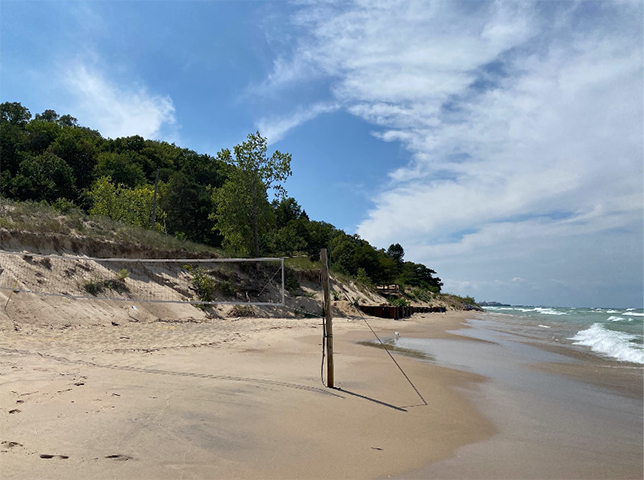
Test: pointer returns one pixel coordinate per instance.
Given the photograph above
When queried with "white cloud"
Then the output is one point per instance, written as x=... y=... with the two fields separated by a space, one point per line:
x=275 y=128
x=116 y=110
x=523 y=122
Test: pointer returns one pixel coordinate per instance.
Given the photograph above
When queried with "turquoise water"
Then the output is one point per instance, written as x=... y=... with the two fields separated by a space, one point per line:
x=613 y=333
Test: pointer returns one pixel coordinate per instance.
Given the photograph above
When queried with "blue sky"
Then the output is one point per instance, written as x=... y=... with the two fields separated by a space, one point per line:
x=499 y=142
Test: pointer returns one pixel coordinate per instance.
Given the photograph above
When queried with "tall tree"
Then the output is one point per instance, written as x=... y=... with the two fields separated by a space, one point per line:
x=77 y=147
x=188 y=206
x=14 y=113
x=43 y=177
x=122 y=168
x=286 y=210
x=47 y=116
x=396 y=252
x=242 y=209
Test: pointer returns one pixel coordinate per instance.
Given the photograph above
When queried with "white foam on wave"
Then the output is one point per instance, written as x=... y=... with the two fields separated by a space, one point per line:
x=634 y=314
x=548 y=311
x=609 y=311
x=614 y=318
x=544 y=326
x=617 y=345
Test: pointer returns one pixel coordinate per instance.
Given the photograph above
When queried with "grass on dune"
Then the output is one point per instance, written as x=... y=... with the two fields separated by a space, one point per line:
x=42 y=218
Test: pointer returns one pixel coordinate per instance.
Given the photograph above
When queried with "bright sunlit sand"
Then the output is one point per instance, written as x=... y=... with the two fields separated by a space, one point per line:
x=251 y=405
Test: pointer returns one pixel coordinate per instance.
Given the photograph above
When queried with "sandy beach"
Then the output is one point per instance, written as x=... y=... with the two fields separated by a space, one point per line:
x=242 y=398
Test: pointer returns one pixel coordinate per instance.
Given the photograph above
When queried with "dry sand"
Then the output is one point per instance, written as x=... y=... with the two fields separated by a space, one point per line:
x=139 y=401
x=242 y=398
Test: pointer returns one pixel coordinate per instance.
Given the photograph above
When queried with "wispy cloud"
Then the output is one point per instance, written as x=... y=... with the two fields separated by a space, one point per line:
x=116 y=109
x=523 y=122
x=276 y=127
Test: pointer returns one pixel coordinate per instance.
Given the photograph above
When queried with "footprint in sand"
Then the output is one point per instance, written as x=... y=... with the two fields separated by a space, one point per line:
x=121 y=458
x=46 y=455
x=9 y=444
x=15 y=410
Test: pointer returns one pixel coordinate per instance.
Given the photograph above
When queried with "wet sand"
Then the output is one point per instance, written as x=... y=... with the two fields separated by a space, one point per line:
x=560 y=413
x=242 y=398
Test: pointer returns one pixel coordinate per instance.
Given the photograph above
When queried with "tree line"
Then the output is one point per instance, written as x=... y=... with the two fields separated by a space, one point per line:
x=221 y=201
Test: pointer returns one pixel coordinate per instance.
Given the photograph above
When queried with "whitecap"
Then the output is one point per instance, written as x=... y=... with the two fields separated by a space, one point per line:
x=634 y=314
x=612 y=311
x=614 y=318
x=549 y=311
x=544 y=326
x=614 y=344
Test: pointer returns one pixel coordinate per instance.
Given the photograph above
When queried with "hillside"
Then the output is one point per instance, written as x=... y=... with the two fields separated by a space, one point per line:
x=37 y=229
x=234 y=201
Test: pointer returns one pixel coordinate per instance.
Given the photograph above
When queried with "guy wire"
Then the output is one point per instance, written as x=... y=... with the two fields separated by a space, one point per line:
x=298 y=310
x=392 y=357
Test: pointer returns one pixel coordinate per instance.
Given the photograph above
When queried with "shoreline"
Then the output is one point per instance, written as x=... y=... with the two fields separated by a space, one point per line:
x=560 y=412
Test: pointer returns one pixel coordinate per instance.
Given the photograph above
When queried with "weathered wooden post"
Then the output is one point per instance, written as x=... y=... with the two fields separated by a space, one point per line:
x=327 y=318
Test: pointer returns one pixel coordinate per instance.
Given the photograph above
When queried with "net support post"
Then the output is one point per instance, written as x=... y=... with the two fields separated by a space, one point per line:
x=327 y=318
x=283 y=284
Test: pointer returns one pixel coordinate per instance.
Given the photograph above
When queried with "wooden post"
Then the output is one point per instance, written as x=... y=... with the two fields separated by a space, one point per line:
x=327 y=318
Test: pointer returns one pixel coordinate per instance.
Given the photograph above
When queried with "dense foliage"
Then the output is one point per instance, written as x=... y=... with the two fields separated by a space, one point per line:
x=220 y=201
x=243 y=213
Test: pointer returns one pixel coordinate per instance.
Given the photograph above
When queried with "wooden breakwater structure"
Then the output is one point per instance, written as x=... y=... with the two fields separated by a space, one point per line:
x=397 y=313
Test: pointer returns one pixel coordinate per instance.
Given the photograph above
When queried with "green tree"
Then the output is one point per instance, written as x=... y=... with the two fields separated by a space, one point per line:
x=43 y=177
x=47 y=116
x=243 y=213
x=320 y=235
x=77 y=148
x=418 y=275
x=288 y=240
x=127 y=205
x=123 y=168
x=388 y=269
x=291 y=233
x=396 y=252
x=68 y=121
x=14 y=113
x=53 y=117
x=286 y=210
x=13 y=139
x=41 y=134
x=188 y=205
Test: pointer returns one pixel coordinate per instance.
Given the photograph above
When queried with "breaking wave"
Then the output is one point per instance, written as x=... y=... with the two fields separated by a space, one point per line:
x=617 y=345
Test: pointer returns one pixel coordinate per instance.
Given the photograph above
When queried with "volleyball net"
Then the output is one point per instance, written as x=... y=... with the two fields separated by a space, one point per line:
x=212 y=281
